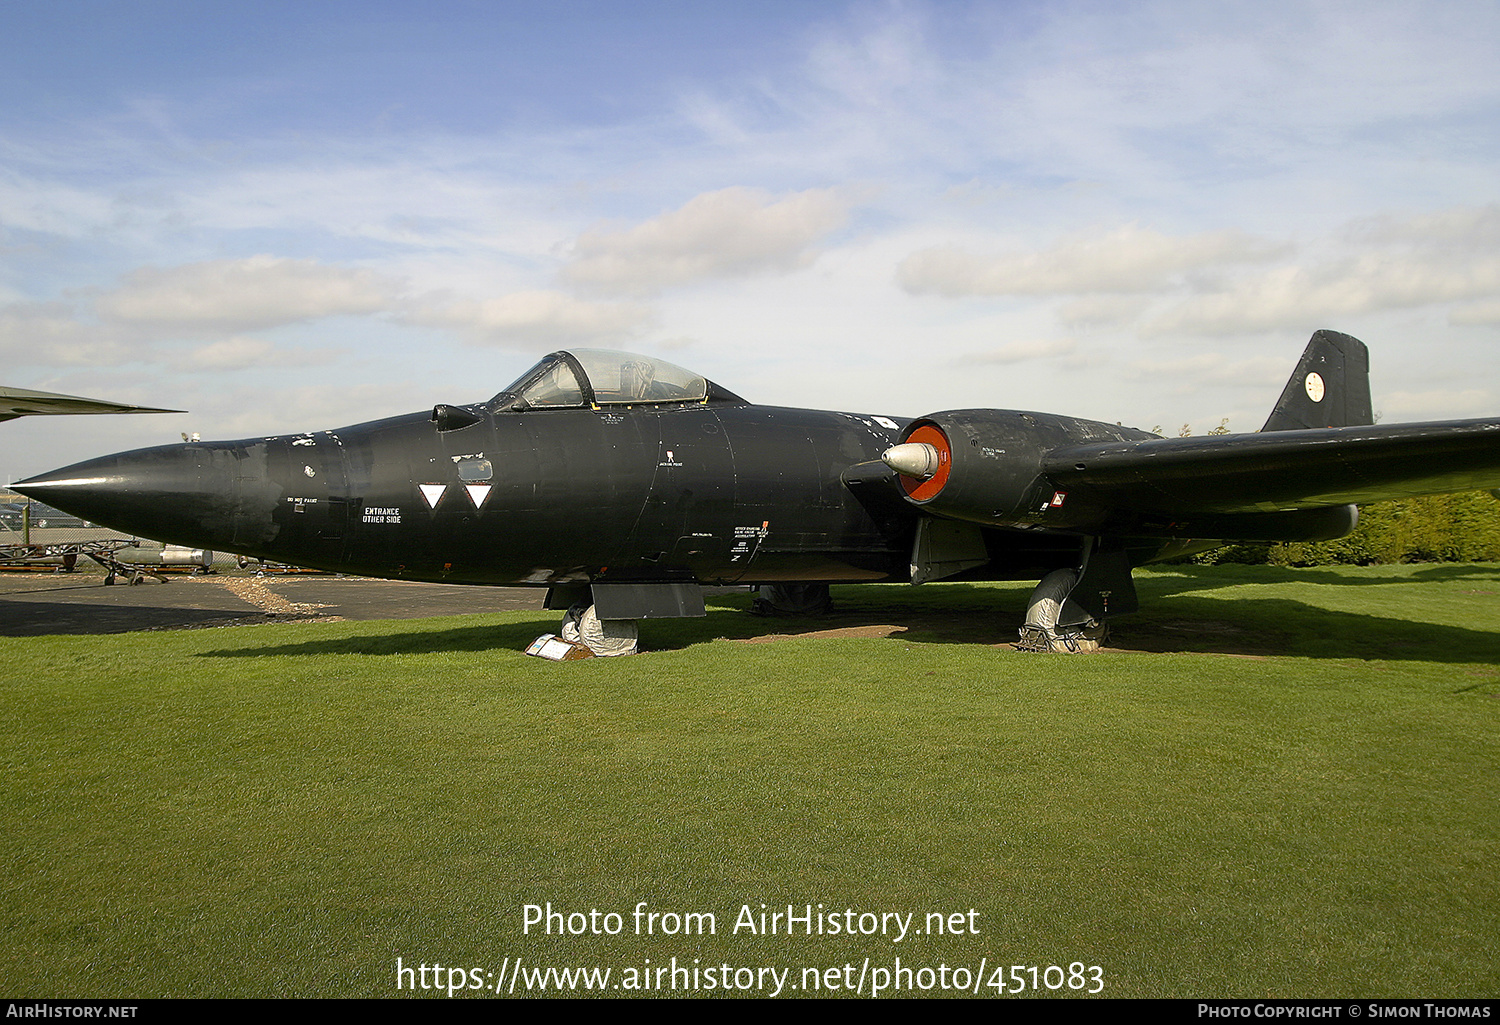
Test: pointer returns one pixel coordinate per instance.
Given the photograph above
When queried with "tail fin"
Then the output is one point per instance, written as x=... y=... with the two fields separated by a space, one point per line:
x=1329 y=388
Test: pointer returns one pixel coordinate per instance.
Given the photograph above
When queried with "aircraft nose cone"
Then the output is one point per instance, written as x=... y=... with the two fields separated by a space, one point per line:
x=60 y=487
x=180 y=494
x=101 y=490
x=914 y=459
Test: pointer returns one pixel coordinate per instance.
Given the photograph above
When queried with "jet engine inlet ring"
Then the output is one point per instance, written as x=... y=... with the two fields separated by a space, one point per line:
x=922 y=490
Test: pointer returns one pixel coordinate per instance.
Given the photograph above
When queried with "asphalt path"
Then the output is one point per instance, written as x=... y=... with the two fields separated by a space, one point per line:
x=33 y=604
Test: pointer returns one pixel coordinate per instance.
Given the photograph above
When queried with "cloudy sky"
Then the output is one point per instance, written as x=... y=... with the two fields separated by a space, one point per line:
x=287 y=216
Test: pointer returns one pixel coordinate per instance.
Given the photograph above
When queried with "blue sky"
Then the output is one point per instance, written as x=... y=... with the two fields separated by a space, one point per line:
x=294 y=216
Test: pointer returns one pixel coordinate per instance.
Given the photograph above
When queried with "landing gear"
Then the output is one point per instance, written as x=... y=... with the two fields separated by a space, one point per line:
x=1044 y=609
x=604 y=637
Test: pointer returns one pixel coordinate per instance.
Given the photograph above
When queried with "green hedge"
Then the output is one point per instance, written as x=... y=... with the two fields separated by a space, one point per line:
x=1463 y=527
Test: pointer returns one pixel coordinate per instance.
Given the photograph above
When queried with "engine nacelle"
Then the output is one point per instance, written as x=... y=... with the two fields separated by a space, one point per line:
x=982 y=465
x=998 y=468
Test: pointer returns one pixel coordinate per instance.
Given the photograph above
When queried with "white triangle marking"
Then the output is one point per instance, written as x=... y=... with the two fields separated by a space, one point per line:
x=478 y=493
x=433 y=493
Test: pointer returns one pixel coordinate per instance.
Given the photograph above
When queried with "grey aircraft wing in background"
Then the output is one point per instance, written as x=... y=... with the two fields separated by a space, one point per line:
x=16 y=402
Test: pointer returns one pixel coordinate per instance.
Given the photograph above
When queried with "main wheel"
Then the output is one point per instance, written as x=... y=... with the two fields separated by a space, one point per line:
x=604 y=637
x=1044 y=609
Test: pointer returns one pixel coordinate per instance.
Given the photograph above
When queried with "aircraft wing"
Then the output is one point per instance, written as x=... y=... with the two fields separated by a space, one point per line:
x=16 y=402
x=1297 y=479
x=1280 y=470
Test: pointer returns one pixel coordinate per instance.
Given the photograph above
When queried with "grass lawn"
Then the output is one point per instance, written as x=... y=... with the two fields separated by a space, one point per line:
x=1283 y=783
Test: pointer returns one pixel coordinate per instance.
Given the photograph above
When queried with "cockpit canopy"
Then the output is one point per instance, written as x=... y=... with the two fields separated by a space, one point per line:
x=602 y=377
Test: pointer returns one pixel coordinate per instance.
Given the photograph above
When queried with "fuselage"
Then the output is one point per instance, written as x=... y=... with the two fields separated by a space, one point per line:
x=599 y=467
x=717 y=494
x=720 y=493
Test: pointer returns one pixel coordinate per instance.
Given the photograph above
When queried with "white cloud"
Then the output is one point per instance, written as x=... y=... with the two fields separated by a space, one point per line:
x=1020 y=352
x=887 y=55
x=525 y=318
x=1202 y=368
x=243 y=295
x=51 y=334
x=1102 y=310
x=245 y=411
x=204 y=302
x=1129 y=259
x=1296 y=296
x=732 y=232
x=50 y=206
x=1477 y=313
x=230 y=354
x=1444 y=404
x=241 y=353
x=1467 y=228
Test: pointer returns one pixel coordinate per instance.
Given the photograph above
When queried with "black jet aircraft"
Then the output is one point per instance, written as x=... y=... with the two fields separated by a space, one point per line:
x=630 y=483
